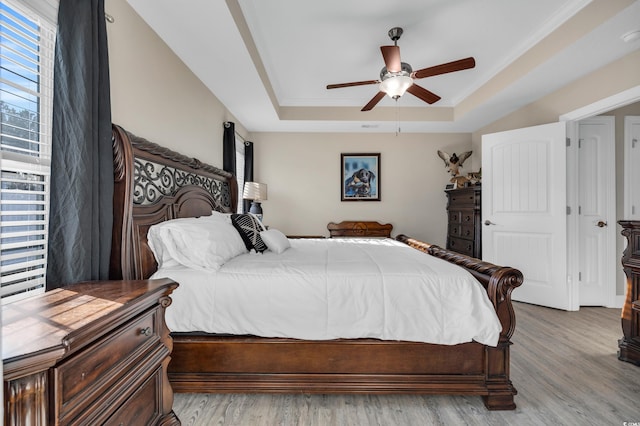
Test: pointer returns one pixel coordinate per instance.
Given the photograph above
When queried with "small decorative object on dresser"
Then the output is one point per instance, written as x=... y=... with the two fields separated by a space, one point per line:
x=89 y=353
x=452 y=162
x=630 y=343
x=464 y=230
x=475 y=178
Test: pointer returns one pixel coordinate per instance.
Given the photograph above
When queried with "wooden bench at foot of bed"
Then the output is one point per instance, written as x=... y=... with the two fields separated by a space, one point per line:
x=350 y=228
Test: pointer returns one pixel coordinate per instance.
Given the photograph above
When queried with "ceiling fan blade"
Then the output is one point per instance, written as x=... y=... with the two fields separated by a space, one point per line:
x=374 y=101
x=459 y=65
x=391 y=55
x=355 y=83
x=424 y=94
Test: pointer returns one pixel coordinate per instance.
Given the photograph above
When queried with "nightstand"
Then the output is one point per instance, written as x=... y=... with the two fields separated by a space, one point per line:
x=90 y=353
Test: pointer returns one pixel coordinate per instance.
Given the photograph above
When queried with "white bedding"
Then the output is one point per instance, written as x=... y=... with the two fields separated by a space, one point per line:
x=322 y=289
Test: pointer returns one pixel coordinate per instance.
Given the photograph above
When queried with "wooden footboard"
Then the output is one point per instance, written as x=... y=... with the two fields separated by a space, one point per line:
x=248 y=364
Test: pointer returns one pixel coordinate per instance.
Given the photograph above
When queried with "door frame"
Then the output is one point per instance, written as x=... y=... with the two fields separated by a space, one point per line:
x=607 y=104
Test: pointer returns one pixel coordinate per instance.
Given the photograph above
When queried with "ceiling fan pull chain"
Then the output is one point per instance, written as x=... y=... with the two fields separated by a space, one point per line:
x=397 y=118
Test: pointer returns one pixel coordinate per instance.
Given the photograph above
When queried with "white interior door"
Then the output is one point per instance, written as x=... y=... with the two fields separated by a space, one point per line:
x=524 y=209
x=631 y=169
x=596 y=211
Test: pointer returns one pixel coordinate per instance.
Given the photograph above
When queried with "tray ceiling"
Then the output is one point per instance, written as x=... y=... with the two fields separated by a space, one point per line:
x=269 y=62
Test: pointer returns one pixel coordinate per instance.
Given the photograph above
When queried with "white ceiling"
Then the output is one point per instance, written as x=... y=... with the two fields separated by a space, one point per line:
x=269 y=61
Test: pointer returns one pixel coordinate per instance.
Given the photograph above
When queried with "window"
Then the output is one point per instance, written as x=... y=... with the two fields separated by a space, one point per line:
x=27 y=44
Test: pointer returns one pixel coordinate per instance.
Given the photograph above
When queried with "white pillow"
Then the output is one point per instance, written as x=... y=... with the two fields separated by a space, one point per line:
x=216 y=215
x=275 y=240
x=199 y=243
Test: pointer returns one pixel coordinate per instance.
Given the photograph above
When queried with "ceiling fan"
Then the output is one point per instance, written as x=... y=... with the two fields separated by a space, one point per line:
x=398 y=77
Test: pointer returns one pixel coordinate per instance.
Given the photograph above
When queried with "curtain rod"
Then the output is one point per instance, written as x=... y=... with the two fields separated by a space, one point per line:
x=226 y=124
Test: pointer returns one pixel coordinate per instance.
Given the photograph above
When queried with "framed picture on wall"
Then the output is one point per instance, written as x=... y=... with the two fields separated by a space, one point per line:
x=360 y=177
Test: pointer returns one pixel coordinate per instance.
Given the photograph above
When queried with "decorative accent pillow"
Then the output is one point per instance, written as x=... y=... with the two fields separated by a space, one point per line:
x=275 y=240
x=249 y=228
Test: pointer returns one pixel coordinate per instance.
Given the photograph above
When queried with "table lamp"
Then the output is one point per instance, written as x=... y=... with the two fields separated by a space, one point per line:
x=256 y=192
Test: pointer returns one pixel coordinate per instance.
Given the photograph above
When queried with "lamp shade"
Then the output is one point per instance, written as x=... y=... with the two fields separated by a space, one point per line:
x=396 y=86
x=254 y=191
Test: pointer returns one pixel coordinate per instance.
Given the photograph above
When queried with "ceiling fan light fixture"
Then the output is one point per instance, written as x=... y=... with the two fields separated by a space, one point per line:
x=396 y=77
x=396 y=86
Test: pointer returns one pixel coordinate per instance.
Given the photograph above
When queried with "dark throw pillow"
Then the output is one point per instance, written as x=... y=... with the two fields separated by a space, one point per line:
x=249 y=228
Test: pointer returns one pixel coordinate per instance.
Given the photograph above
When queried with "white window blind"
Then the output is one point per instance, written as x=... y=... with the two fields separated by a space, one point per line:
x=27 y=43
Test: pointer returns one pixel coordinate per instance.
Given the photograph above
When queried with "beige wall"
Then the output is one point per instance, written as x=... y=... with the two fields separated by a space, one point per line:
x=275 y=151
x=154 y=95
x=303 y=174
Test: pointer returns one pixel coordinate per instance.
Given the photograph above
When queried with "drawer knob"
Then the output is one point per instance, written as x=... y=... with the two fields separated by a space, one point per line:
x=146 y=331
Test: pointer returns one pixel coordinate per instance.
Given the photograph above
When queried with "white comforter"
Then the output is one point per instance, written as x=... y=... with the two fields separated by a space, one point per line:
x=335 y=288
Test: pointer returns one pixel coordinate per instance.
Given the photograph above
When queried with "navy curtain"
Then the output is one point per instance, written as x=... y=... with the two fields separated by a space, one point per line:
x=229 y=148
x=248 y=171
x=81 y=212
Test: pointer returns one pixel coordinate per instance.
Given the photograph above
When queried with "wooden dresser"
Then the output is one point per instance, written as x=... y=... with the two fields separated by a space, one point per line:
x=629 y=345
x=464 y=229
x=88 y=354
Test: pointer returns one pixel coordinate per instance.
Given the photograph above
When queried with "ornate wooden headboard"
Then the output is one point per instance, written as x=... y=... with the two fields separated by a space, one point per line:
x=153 y=184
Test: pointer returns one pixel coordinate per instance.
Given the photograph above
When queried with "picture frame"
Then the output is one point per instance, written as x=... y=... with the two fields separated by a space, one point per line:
x=360 y=177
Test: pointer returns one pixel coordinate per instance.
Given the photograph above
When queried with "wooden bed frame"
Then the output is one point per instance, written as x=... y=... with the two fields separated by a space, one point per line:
x=153 y=184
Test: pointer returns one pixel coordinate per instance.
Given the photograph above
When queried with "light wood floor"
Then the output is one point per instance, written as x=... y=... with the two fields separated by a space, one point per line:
x=564 y=365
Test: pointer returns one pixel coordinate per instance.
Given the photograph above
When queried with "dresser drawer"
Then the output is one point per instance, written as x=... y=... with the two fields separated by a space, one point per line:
x=85 y=376
x=461 y=216
x=462 y=198
x=142 y=408
x=462 y=231
x=461 y=246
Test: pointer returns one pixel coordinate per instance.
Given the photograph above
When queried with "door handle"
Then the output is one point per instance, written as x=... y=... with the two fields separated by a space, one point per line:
x=601 y=224
x=488 y=222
